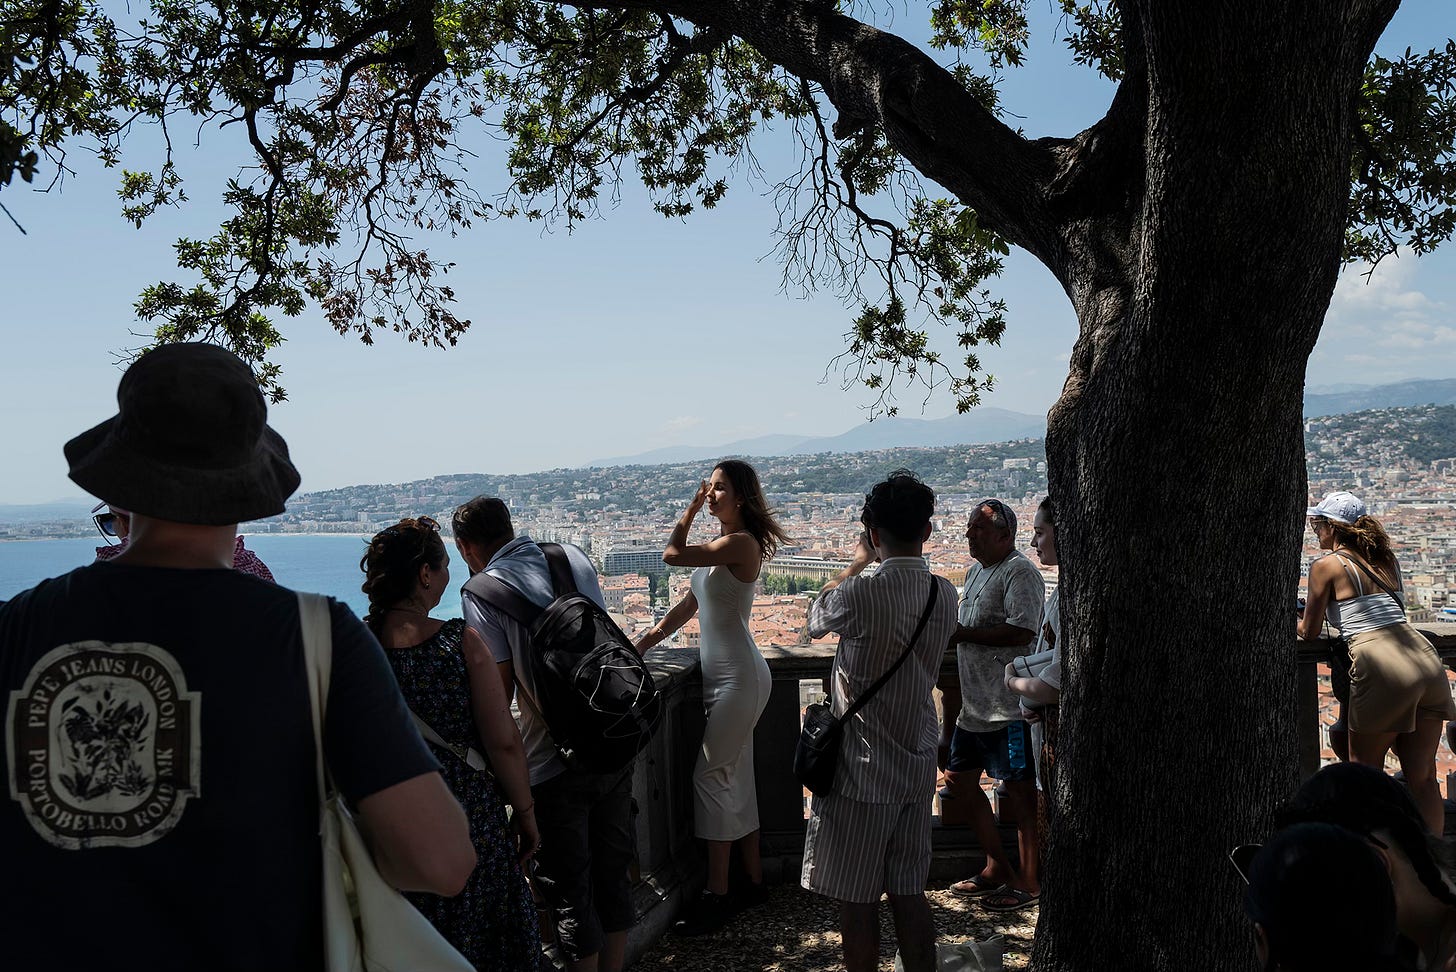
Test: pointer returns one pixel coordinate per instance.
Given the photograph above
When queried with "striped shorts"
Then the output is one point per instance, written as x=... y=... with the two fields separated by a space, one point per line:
x=857 y=851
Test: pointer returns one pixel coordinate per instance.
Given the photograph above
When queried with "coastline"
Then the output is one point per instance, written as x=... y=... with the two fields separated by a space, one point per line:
x=242 y=533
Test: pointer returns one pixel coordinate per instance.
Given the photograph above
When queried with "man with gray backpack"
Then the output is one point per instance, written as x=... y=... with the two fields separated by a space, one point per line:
x=586 y=706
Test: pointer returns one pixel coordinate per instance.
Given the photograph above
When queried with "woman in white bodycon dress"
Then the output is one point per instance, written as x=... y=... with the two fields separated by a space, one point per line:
x=735 y=678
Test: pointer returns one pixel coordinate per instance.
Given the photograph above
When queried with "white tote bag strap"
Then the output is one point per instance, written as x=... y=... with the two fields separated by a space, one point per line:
x=368 y=926
x=318 y=658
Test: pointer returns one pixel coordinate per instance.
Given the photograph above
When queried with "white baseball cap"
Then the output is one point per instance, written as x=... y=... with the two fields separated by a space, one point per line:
x=1340 y=506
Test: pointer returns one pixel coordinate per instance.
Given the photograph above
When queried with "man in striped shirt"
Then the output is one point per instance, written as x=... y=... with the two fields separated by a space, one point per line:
x=871 y=836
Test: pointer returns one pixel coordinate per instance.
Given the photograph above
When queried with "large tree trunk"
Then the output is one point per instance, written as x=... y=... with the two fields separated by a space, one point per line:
x=1177 y=464
x=1197 y=230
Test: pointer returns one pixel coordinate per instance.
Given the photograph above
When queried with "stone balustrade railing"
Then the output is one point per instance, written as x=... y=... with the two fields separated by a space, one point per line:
x=669 y=865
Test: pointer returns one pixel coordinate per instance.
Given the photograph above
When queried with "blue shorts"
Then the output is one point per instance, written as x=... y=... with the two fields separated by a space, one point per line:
x=1002 y=754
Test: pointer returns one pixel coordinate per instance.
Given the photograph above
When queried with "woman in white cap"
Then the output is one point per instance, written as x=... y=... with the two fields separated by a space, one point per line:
x=1399 y=696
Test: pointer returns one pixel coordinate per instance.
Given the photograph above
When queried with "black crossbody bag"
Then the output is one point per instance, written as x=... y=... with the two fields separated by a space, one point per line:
x=817 y=755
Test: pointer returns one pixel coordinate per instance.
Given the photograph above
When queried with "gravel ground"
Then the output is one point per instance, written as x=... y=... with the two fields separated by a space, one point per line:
x=797 y=931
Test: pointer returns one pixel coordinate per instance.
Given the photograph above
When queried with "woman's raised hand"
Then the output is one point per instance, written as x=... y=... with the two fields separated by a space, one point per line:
x=699 y=498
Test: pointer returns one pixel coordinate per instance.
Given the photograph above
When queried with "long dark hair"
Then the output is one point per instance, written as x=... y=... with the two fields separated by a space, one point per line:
x=1367 y=538
x=392 y=563
x=758 y=519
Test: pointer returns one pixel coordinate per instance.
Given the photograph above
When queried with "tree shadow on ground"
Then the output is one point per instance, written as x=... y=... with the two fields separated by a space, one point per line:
x=798 y=931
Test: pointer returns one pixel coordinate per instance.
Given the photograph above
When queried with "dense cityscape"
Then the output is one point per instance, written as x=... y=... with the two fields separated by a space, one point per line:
x=1402 y=459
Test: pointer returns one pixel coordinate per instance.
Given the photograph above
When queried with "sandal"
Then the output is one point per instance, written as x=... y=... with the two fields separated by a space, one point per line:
x=1009 y=899
x=975 y=886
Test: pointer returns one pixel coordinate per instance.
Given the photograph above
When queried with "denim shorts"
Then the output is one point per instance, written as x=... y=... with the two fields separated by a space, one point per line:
x=1002 y=754
x=587 y=846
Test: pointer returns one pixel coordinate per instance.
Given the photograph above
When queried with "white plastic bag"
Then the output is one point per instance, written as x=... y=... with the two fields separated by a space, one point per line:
x=966 y=956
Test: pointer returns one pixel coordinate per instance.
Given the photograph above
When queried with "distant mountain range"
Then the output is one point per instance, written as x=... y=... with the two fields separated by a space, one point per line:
x=984 y=425
x=1358 y=398
x=977 y=426
x=45 y=512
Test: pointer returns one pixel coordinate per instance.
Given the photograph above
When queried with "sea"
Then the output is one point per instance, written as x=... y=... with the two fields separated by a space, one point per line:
x=321 y=563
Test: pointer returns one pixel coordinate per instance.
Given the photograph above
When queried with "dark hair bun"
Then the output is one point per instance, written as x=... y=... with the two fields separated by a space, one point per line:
x=391 y=564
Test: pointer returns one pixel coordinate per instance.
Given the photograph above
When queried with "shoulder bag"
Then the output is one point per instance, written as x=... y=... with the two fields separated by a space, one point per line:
x=368 y=925
x=817 y=755
x=468 y=755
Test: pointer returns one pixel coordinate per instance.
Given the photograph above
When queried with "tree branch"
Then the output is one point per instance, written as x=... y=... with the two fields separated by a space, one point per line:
x=878 y=80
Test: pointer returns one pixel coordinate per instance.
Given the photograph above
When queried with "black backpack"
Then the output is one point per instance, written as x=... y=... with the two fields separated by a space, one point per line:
x=592 y=689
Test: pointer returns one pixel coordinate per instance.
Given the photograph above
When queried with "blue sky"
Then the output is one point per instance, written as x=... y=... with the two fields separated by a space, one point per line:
x=628 y=334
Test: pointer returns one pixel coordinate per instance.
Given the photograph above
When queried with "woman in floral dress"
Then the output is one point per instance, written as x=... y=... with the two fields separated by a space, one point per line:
x=450 y=681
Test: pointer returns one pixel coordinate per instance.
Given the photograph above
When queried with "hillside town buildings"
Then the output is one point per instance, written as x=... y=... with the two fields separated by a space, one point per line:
x=1401 y=460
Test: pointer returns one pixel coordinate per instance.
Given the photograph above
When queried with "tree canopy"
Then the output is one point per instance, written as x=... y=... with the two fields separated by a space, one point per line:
x=1197 y=228
x=357 y=114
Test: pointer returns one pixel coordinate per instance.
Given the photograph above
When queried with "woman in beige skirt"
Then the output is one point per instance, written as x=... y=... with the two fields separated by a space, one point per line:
x=1399 y=696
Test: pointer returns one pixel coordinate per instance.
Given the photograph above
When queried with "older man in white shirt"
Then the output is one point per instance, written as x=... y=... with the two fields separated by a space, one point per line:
x=1000 y=614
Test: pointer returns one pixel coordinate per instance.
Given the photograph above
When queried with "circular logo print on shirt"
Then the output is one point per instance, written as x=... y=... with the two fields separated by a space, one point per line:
x=104 y=745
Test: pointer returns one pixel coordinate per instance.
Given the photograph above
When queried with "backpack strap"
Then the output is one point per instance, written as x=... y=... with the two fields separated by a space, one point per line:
x=503 y=597
x=563 y=581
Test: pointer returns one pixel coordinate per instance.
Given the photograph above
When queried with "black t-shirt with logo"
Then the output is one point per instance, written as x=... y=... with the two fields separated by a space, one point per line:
x=162 y=808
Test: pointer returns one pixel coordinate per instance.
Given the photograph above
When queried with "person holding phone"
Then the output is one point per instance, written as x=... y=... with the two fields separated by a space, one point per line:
x=870 y=837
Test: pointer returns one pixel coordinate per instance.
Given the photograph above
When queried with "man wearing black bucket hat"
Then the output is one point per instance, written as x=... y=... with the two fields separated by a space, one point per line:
x=159 y=758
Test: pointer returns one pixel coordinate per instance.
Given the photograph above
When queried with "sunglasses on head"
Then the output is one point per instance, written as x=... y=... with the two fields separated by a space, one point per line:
x=1242 y=856
x=419 y=523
